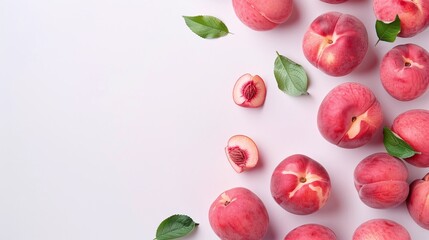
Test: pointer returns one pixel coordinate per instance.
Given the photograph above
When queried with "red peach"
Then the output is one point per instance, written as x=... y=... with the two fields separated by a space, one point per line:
x=239 y=214
x=335 y=43
x=413 y=127
x=381 y=181
x=262 y=14
x=311 y=231
x=349 y=115
x=300 y=185
x=249 y=91
x=404 y=71
x=381 y=229
x=418 y=201
x=414 y=15
x=333 y=1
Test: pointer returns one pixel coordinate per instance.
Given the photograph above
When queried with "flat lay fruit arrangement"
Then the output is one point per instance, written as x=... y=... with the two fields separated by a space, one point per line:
x=350 y=116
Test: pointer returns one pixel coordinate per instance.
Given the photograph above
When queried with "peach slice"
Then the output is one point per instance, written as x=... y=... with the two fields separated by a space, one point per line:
x=242 y=153
x=249 y=91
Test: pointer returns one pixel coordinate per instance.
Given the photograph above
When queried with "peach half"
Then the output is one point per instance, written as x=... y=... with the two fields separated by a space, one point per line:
x=249 y=91
x=242 y=153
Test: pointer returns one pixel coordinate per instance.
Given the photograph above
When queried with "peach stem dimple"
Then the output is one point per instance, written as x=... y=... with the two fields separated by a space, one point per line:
x=302 y=179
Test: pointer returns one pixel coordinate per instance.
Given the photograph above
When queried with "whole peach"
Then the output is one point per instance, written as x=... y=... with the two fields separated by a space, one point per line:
x=413 y=127
x=381 y=229
x=414 y=15
x=417 y=201
x=311 y=231
x=404 y=71
x=335 y=43
x=263 y=14
x=333 y=1
x=300 y=185
x=239 y=214
x=381 y=180
x=349 y=115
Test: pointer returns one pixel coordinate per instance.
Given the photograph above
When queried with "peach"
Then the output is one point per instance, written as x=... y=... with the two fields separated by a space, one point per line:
x=333 y=1
x=300 y=185
x=414 y=15
x=239 y=214
x=249 y=91
x=381 y=229
x=242 y=153
x=311 y=231
x=404 y=71
x=381 y=181
x=413 y=127
x=335 y=43
x=263 y=15
x=349 y=115
x=417 y=201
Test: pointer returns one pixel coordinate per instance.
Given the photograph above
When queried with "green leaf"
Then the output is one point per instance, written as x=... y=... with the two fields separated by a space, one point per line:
x=388 y=31
x=206 y=26
x=175 y=226
x=291 y=77
x=395 y=146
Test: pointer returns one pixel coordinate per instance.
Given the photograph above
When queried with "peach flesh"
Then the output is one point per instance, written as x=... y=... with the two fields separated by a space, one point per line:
x=418 y=201
x=404 y=72
x=242 y=153
x=249 y=91
x=300 y=185
x=381 y=181
x=335 y=43
x=413 y=127
x=349 y=115
x=239 y=214
x=381 y=229
x=414 y=14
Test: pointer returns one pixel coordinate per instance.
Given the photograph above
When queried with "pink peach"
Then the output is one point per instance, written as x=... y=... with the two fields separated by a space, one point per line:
x=404 y=71
x=381 y=181
x=335 y=43
x=418 y=201
x=311 y=231
x=381 y=229
x=300 y=185
x=349 y=115
x=414 y=15
x=263 y=14
x=413 y=127
x=239 y=214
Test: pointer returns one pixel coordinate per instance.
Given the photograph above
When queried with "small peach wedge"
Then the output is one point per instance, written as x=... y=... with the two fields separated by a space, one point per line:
x=242 y=153
x=249 y=91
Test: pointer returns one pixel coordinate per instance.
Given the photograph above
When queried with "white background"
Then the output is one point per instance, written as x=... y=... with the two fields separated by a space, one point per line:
x=114 y=116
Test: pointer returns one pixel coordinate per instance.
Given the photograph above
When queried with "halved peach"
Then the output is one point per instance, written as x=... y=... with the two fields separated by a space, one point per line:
x=249 y=91
x=242 y=153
